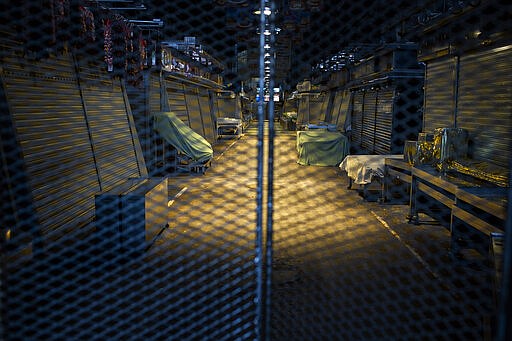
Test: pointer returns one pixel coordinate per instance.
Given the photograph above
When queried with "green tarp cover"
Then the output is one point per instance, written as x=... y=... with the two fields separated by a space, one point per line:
x=182 y=137
x=320 y=147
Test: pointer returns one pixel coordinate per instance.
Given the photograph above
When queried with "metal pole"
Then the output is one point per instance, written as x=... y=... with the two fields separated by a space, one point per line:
x=260 y=327
x=270 y=173
x=505 y=307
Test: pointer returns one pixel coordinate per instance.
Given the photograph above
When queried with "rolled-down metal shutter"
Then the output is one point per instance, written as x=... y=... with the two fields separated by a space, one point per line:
x=439 y=106
x=384 y=122
x=156 y=104
x=323 y=108
x=485 y=103
x=115 y=142
x=194 y=112
x=48 y=115
x=368 y=134
x=343 y=121
x=357 y=118
x=156 y=154
x=317 y=108
x=176 y=98
x=227 y=107
x=336 y=104
x=303 y=110
x=207 y=115
x=290 y=105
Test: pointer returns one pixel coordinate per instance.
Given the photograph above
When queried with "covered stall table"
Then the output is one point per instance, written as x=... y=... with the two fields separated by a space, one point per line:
x=362 y=169
x=194 y=152
x=229 y=126
x=321 y=147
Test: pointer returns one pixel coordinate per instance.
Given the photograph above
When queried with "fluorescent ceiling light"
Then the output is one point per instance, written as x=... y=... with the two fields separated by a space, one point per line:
x=266 y=11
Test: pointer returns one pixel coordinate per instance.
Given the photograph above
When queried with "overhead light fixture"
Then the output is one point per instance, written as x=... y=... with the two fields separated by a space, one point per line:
x=148 y=23
x=134 y=8
x=266 y=11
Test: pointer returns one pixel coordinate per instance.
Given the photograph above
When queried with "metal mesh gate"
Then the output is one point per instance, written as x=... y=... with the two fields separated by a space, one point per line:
x=126 y=215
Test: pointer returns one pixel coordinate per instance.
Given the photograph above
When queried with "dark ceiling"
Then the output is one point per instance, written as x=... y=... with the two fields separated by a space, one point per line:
x=317 y=28
x=311 y=30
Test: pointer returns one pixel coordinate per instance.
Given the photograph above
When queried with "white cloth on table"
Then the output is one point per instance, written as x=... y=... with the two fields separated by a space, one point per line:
x=361 y=168
x=230 y=123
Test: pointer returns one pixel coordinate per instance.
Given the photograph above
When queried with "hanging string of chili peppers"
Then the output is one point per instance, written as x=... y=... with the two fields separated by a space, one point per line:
x=107 y=44
x=61 y=10
x=142 y=51
x=119 y=44
x=132 y=56
x=87 y=26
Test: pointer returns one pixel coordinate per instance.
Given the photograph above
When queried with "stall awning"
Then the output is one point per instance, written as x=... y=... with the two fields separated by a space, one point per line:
x=321 y=147
x=182 y=137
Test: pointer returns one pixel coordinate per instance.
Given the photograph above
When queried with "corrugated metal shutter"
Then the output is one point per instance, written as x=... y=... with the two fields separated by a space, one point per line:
x=176 y=98
x=484 y=103
x=114 y=140
x=194 y=112
x=215 y=101
x=317 y=108
x=227 y=107
x=155 y=158
x=155 y=94
x=357 y=118
x=45 y=102
x=238 y=106
x=290 y=105
x=384 y=125
x=344 y=119
x=207 y=115
x=323 y=109
x=145 y=100
x=163 y=155
x=369 y=123
x=303 y=111
x=439 y=106
x=331 y=96
x=336 y=106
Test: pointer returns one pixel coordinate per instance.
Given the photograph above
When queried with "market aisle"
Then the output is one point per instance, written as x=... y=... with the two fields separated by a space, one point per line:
x=343 y=268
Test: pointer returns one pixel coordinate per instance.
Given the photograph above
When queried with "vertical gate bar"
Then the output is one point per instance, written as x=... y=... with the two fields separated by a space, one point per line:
x=456 y=92
x=260 y=328
x=505 y=307
x=270 y=174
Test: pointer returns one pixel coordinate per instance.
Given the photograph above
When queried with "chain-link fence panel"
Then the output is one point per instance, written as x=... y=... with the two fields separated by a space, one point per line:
x=250 y=170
